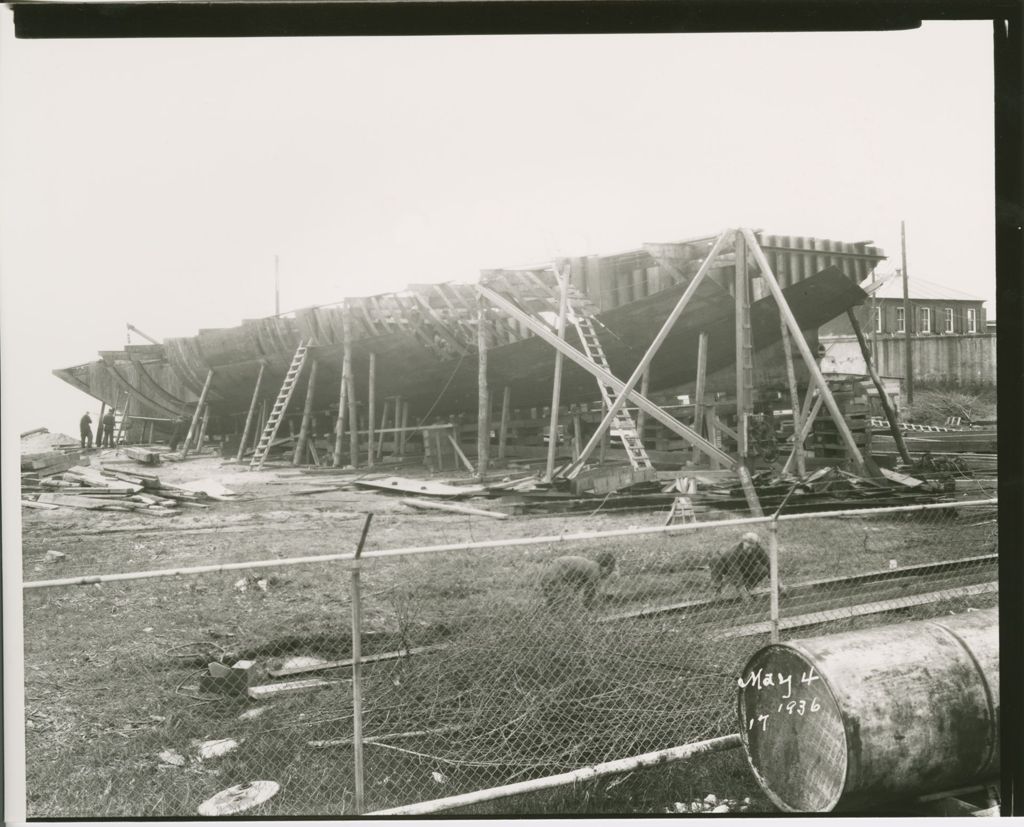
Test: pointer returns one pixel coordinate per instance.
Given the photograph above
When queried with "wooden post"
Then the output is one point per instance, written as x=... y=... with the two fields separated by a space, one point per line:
x=263 y=417
x=371 y=409
x=149 y=433
x=602 y=452
x=202 y=428
x=556 y=385
x=483 y=418
x=428 y=452
x=577 y=433
x=307 y=412
x=890 y=414
x=711 y=420
x=440 y=453
x=339 y=424
x=700 y=390
x=388 y=402
x=805 y=429
x=908 y=321
x=353 y=411
x=805 y=352
x=794 y=395
x=742 y=315
x=195 y=417
x=357 y=672
x=645 y=387
x=403 y=435
x=249 y=416
x=506 y=401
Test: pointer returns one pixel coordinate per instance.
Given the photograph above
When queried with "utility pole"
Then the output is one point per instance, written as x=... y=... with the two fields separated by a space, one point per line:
x=277 y=289
x=908 y=359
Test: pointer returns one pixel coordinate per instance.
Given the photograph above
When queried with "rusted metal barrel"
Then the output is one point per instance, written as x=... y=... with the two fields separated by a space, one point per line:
x=858 y=719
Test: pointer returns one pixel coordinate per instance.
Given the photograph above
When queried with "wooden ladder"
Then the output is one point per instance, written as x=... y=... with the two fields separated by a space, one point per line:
x=121 y=419
x=623 y=423
x=284 y=396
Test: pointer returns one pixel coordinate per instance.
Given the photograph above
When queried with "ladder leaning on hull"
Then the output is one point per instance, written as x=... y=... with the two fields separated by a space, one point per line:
x=280 y=406
x=623 y=423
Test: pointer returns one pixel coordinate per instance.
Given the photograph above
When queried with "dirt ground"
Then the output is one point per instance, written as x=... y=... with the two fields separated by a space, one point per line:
x=112 y=670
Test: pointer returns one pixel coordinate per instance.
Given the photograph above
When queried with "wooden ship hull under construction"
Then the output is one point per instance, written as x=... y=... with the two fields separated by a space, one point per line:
x=424 y=339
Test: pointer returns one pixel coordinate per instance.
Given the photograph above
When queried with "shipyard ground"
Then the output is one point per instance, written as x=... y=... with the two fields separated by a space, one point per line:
x=83 y=641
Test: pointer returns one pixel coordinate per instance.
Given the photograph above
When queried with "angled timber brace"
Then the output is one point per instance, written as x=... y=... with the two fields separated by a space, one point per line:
x=543 y=331
x=645 y=362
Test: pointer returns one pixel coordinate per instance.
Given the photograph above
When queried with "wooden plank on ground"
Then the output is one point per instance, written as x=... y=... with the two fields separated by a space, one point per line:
x=143 y=455
x=267 y=690
x=43 y=506
x=338 y=664
x=405 y=485
x=72 y=501
x=430 y=505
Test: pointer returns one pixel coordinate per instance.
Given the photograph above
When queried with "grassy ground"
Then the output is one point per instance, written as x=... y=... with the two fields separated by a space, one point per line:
x=522 y=691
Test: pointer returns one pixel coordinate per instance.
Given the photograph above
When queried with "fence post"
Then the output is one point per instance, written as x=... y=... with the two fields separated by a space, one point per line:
x=357 y=672
x=773 y=569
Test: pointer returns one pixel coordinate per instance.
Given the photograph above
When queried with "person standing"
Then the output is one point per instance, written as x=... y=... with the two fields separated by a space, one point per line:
x=85 y=431
x=107 y=427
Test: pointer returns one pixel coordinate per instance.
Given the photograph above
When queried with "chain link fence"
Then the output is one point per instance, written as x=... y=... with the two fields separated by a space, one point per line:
x=480 y=667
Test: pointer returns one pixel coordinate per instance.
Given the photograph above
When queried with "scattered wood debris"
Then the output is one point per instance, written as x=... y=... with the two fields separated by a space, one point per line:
x=113 y=489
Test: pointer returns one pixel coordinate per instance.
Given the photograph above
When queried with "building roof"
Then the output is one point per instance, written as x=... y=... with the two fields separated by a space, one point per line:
x=892 y=288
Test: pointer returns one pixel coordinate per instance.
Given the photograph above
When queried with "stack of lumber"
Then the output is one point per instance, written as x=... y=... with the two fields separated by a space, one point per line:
x=112 y=489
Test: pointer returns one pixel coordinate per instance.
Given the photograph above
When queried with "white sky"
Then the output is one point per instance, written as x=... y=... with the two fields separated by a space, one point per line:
x=153 y=181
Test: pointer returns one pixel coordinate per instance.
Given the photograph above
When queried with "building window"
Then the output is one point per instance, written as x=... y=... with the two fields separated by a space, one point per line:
x=972 y=320
x=901 y=320
x=926 y=320
x=877 y=313
x=949 y=319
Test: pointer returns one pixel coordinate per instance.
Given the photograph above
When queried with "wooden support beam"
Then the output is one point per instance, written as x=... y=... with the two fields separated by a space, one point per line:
x=252 y=411
x=388 y=403
x=890 y=414
x=506 y=401
x=805 y=430
x=202 y=427
x=645 y=388
x=625 y=390
x=794 y=396
x=700 y=391
x=712 y=420
x=339 y=423
x=404 y=424
x=195 y=417
x=440 y=453
x=577 y=433
x=600 y=373
x=349 y=374
x=556 y=385
x=805 y=352
x=371 y=409
x=483 y=418
x=307 y=413
x=742 y=325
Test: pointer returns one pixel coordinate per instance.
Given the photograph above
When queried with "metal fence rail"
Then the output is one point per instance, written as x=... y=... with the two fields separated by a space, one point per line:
x=478 y=668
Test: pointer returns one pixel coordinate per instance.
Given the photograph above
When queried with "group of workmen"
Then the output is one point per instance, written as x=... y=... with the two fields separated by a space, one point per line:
x=104 y=433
